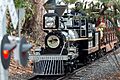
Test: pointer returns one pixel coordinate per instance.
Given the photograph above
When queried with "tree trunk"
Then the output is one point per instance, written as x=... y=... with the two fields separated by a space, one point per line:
x=36 y=23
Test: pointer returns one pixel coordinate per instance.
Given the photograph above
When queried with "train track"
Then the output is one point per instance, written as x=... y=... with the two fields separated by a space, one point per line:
x=40 y=77
x=82 y=72
x=21 y=77
x=77 y=74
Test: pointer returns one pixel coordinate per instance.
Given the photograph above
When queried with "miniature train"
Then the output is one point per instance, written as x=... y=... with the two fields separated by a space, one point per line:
x=72 y=40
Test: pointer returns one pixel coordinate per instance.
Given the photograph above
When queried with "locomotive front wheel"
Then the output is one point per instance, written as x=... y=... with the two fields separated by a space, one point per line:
x=103 y=52
x=100 y=53
x=69 y=68
x=89 y=59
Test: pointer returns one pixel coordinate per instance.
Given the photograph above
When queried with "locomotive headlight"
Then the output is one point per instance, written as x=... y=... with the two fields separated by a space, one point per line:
x=50 y=22
x=53 y=41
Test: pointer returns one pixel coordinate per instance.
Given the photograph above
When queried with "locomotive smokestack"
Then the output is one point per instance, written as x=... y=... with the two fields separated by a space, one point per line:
x=60 y=9
x=50 y=5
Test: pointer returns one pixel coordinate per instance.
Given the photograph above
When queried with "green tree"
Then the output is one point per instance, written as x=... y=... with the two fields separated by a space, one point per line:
x=69 y=2
x=29 y=12
x=115 y=15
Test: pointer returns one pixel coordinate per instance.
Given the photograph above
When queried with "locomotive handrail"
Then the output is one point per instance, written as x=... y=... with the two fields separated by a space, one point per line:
x=78 y=39
x=81 y=17
x=62 y=48
x=48 y=57
x=92 y=49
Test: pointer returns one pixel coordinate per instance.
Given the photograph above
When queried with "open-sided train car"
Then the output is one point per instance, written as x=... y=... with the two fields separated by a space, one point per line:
x=72 y=40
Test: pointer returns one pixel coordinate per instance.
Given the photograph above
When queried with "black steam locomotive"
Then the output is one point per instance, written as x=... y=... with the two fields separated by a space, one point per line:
x=72 y=40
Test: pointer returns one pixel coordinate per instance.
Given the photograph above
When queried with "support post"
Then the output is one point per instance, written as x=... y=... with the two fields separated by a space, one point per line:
x=3 y=72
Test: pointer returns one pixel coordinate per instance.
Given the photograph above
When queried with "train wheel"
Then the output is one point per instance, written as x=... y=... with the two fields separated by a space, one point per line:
x=89 y=59
x=95 y=56
x=104 y=51
x=117 y=46
x=100 y=53
x=76 y=65
x=69 y=68
x=66 y=69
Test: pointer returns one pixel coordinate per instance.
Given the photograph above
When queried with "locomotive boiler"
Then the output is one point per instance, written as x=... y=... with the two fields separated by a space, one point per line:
x=72 y=40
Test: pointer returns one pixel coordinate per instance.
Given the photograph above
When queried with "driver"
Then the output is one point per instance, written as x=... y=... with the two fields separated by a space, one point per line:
x=78 y=9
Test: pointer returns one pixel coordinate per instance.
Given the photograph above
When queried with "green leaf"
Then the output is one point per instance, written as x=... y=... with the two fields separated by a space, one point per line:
x=70 y=1
x=105 y=1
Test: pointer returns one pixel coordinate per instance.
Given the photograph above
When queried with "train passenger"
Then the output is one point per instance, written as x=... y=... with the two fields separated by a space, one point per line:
x=78 y=9
x=100 y=26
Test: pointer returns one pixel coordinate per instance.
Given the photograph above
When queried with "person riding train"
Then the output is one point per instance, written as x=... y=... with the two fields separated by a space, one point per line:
x=78 y=9
x=100 y=26
x=78 y=12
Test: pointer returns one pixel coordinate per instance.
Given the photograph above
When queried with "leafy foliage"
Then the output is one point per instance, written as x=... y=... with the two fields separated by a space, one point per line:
x=69 y=1
x=114 y=15
x=20 y=3
x=29 y=7
x=105 y=1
